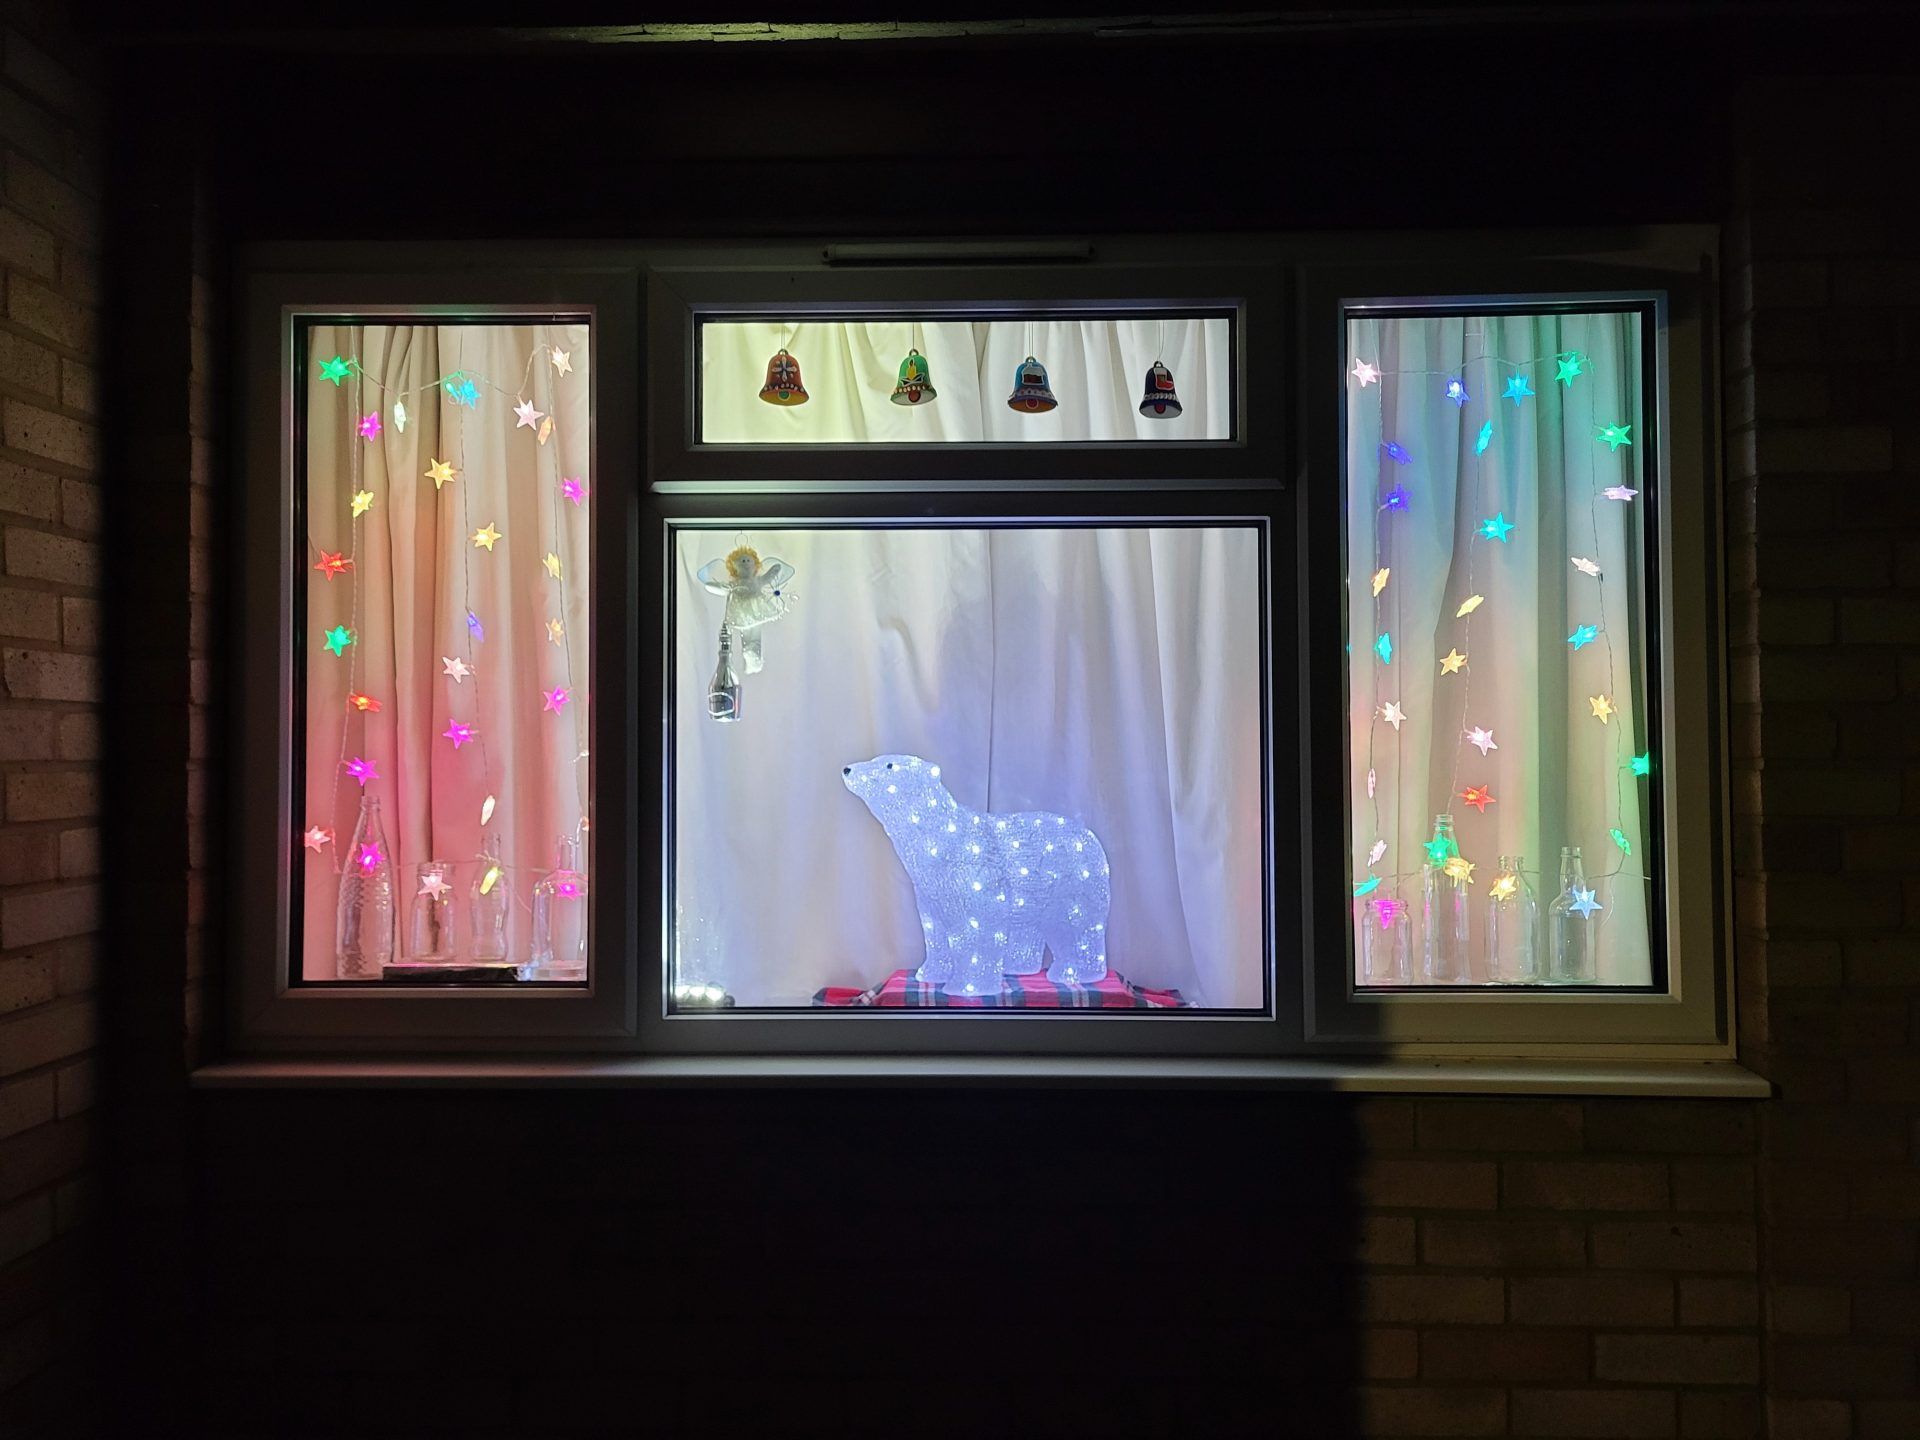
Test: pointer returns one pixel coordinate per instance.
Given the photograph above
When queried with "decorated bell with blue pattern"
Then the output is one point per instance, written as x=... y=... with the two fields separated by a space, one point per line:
x=915 y=387
x=1159 y=402
x=1031 y=393
x=783 y=385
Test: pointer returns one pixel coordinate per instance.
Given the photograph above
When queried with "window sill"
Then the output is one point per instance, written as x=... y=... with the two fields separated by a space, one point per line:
x=1703 y=1079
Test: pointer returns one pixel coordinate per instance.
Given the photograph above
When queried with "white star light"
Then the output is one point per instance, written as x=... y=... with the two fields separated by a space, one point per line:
x=1366 y=374
x=528 y=415
x=1379 y=849
x=1393 y=714
x=1481 y=738
x=458 y=670
x=435 y=885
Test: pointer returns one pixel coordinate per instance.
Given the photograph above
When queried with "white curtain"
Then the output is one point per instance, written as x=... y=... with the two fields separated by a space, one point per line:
x=1559 y=777
x=1109 y=674
x=1097 y=370
x=416 y=576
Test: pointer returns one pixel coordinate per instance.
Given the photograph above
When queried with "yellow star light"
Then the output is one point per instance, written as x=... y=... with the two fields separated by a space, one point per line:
x=1602 y=707
x=1469 y=605
x=362 y=502
x=1457 y=868
x=556 y=631
x=486 y=537
x=440 y=472
x=1451 y=662
x=1505 y=887
x=552 y=562
x=1380 y=580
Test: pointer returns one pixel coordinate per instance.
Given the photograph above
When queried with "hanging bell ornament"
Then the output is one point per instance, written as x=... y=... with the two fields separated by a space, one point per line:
x=1031 y=393
x=915 y=387
x=1159 y=402
x=783 y=385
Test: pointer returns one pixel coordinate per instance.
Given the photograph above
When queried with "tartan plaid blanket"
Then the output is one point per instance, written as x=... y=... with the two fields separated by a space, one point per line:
x=1021 y=992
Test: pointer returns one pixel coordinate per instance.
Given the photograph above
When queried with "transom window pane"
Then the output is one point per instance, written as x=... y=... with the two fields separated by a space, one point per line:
x=1503 y=751
x=445 y=612
x=962 y=381
x=994 y=766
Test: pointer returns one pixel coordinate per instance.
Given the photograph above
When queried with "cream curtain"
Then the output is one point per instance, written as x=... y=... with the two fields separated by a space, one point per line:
x=1108 y=674
x=1097 y=369
x=1560 y=777
x=415 y=578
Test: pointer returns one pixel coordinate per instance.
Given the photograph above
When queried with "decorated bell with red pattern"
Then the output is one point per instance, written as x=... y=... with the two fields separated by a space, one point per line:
x=915 y=386
x=783 y=385
x=1031 y=393
x=1159 y=402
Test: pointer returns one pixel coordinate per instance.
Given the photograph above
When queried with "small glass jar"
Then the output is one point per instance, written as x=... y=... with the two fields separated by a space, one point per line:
x=430 y=931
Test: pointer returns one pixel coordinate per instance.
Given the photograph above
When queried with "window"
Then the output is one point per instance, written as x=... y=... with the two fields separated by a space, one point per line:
x=1309 y=686
x=1503 y=713
x=966 y=765
x=1017 y=380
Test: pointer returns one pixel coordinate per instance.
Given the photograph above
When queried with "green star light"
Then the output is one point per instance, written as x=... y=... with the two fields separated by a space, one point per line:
x=335 y=370
x=338 y=639
x=1616 y=436
x=1569 y=367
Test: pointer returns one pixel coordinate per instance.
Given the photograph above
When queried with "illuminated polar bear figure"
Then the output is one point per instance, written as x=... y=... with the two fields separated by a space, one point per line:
x=994 y=891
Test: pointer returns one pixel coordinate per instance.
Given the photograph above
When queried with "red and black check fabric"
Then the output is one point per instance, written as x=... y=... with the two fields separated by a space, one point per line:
x=1020 y=992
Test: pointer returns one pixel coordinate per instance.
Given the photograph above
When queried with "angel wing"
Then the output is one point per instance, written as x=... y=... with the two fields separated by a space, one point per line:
x=776 y=573
x=714 y=576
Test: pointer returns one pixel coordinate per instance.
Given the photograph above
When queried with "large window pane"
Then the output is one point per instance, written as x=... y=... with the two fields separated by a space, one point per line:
x=959 y=381
x=1007 y=766
x=446 y=604
x=1502 y=735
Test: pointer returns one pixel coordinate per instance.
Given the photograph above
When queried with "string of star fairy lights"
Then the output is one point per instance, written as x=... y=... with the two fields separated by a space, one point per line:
x=462 y=389
x=1480 y=371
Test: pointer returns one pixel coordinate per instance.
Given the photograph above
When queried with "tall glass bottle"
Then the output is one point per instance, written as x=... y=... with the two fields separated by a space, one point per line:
x=723 y=691
x=1445 y=922
x=1570 y=943
x=487 y=902
x=363 y=930
x=1513 y=925
x=1386 y=942
x=559 y=949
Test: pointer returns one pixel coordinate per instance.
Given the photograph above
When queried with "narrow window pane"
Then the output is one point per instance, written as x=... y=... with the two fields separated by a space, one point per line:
x=443 y=622
x=1014 y=381
x=910 y=761
x=1502 y=740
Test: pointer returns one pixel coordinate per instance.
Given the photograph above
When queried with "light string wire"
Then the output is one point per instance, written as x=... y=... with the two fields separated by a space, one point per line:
x=1383 y=555
x=562 y=548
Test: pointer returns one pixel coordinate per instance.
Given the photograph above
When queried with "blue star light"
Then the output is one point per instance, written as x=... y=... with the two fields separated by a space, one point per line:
x=1396 y=452
x=1584 y=902
x=1396 y=498
x=1383 y=647
x=1496 y=528
x=1517 y=389
x=1583 y=635
x=1457 y=393
x=1486 y=438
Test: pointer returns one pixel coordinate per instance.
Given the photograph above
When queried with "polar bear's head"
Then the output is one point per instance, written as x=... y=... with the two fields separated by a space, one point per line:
x=895 y=785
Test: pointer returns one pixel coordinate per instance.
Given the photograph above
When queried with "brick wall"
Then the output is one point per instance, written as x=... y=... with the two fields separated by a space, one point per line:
x=50 y=633
x=1823 y=334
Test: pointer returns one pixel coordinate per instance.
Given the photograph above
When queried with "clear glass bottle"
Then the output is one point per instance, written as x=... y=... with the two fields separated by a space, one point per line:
x=1445 y=922
x=1513 y=926
x=559 y=950
x=1386 y=942
x=363 y=931
x=487 y=902
x=723 y=691
x=431 y=930
x=1570 y=941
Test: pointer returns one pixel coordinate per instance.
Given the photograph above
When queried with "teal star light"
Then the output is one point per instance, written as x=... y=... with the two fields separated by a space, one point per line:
x=1383 y=647
x=338 y=638
x=1517 y=389
x=1486 y=438
x=1496 y=528
x=1583 y=635
x=1366 y=887
x=1641 y=764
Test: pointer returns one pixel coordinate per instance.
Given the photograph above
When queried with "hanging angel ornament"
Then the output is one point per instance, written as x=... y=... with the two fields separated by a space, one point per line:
x=757 y=594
